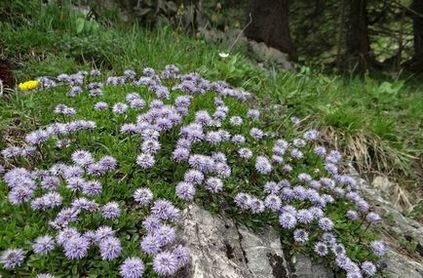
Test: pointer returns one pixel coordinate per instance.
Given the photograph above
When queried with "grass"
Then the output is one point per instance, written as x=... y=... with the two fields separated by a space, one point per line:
x=377 y=124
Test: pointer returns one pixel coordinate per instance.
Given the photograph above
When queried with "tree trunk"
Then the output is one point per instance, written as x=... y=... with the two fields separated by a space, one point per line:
x=357 y=56
x=417 y=16
x=270 y=25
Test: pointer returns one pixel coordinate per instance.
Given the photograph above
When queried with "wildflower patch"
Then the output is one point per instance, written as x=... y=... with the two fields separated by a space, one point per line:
x=106 y=174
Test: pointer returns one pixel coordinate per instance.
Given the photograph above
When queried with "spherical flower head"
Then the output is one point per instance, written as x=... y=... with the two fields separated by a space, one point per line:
x=352 y=215
x=76 y=247
x=297 y=154
x=43 y=245
x=338 y=249
x=256 y=206
x=182 y=254
x=165 y=264
x=103 y=232
x=152 y=223
x=256 y=133
x=245 y=153
x=92 y=188
x=299 y=143
x=242 y=200
x=132 y=267
x=150 y=245
x=108 y=162
x=12 y=258
x=185 y=191
x=368 y=268
x=379 y=248
x=253 y=114
x=101 y=106
x=238 y=139
x=150 y=146
x=110 y=210
x=20 y=194
x=311 y=135
x=304 y=216
x=325 y=224
x=82 y=158
x=180 y=154
x=373 y=218
x=320 y=151
x=300 y=236
x=164 y=210
x=143 y=196
x=273 y=202
x=193 y=176
x=165 y=235
x=321 y=249
x=145 y=160
x=214 y=185
x=328 y=238
x=287 y=220
x=235 y=121
x=333 y=157
x=263 y=165
x=110 y=248
x=120 y=108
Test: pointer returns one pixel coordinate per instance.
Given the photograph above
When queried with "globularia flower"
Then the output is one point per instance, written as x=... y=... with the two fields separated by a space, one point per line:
x=214 y=185
x=253 y=114
x=379 y=248
x=82 y=158
x=235 y=121
x=150 y=245
x=182 y=255
x=110 y=210
x=287 y=220
x=43 y=244
x=164 y=209
x=12 y=258
x=110 y=248
x=103 y=232
x=263 y=165
x=325 y=224
x=120 y=108
x=132 y=267
x=321 y=249
x=143 y=196
x=373 y=218
x=76 y=247
x=185 y=191
x=100 y=106
x=300 y=236
x=165 y=264
x=368 y=268
x=145 y=160
x=256 y=133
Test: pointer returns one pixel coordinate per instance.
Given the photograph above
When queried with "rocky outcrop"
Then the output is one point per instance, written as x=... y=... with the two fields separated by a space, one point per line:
x=221 y=249
x=399 y=230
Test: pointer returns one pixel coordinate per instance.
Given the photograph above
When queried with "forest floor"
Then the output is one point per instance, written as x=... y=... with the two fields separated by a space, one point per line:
x=376 y=123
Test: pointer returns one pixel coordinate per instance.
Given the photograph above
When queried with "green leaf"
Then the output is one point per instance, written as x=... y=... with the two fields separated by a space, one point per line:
x=80 y=23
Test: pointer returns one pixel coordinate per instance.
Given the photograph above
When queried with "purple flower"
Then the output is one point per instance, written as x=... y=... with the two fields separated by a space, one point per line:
x=76 y=247
x=82 y=158
x=103 y=232
x=182 y=255
x=120 y=108
x=185 y=191
x=165 y=235
x=300 y=236
x=368 y=268
x=245 y=153
x=110 y=248
x=238 y=139
x=263 y=165
x=165 y=264
x=321 y=249
x=320 y=151
x=12 y=258
x=235 y=121
x=100 y=106
x=132 y=267
x=304 y=216
x=328 y=238
x=145 y=160
x=193 y=176
x=20 y=194
x=92 y=188
x=143 y=196
x=150 y=245
x=373 y=218
x=43 y=244
x=180 y=154
x=287 y=220
x=164 y=209
x=108 y=162
x=311 y=135
x=325 y=224
x=214 y=185
x=110 y=210
x=379 y=248
x=150 y=146
x=152 y=223
x=253 y=114
x=296 y=154
x=299 y=143
x=256 y=133
x=273 y=202
x=352 y=214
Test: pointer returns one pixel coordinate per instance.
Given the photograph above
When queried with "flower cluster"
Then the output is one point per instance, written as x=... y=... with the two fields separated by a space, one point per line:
x=293 y=180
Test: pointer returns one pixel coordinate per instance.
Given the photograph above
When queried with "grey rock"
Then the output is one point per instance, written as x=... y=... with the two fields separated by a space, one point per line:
x=221 y=249
x=397 y=227
x=267 y=54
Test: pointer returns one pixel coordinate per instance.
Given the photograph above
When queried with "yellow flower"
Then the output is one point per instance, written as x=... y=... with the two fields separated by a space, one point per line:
x=28 y=85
